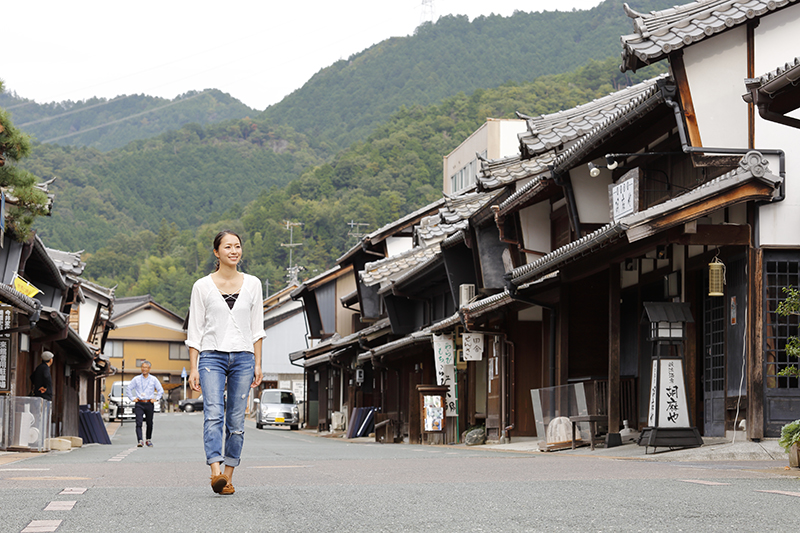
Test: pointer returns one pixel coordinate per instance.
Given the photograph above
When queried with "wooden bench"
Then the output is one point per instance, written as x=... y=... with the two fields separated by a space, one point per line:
x=593 y=420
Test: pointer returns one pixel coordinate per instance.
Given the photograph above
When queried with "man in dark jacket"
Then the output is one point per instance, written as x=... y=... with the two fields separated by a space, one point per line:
x=41 y=380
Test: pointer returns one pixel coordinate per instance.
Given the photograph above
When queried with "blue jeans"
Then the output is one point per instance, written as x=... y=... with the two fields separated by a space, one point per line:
x=238 y=369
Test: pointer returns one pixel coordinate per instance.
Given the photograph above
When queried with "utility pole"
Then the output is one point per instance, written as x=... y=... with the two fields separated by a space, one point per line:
x=428 y=12
x=293 y=269
x=354 y=226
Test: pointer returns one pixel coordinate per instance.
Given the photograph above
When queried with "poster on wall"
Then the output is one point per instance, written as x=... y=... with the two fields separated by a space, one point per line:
x=5 y=350
x=434 y=413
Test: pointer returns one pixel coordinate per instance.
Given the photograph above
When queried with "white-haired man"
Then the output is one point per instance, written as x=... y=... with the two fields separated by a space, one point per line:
x=144 y=390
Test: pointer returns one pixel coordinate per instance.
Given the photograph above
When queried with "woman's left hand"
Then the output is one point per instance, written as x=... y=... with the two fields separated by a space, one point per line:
x=257 y=377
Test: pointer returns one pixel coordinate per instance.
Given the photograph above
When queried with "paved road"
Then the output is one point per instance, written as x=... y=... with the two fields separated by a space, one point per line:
x=294 y=481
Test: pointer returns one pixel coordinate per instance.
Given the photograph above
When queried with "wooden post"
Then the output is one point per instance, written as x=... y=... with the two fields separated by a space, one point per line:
x=562 y=355
x=755 y=382
x=613 y=349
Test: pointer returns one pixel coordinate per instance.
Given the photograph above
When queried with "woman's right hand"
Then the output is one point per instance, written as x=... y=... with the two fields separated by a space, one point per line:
x=194 y=380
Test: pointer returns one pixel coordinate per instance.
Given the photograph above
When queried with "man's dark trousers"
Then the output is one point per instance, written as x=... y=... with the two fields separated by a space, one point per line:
x=144 y=410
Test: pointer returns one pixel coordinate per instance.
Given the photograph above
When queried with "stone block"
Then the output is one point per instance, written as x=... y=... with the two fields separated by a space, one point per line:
x=60 y=444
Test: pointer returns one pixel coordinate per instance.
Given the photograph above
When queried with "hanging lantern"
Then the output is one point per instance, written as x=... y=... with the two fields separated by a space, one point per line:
x=716 y=277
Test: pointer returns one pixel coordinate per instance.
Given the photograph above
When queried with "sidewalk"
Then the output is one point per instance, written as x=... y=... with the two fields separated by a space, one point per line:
x=713 y=449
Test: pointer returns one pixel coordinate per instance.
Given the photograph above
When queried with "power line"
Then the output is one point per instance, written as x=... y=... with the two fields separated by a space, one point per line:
x=123 y=119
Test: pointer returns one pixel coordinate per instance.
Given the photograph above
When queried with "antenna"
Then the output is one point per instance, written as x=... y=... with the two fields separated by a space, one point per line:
x=293 y=269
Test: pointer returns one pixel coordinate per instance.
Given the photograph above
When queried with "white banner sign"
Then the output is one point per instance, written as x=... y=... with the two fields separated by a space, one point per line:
x=473 y=346
x=443 y=357
x=673 y=410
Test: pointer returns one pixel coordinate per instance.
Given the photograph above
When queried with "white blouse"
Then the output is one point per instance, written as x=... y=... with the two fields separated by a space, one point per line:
x=214 y=326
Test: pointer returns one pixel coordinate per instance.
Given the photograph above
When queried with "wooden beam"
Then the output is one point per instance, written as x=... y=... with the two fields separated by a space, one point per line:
x=714 y=235
x=753 y=190
x=682 y=80
x=613 y=348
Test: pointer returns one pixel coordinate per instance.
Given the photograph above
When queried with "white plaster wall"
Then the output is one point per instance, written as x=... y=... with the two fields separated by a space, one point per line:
x=591 y=194
x=458 y=158
x=716 y=68
x=508 y=142
x=281 y=340
x=398 y=245
x=150 y=316
x=86 y=313
x=535 y=222
x=777 y=42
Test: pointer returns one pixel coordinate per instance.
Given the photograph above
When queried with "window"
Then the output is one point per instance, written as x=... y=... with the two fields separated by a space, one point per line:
x=114 y=349
x=779 y=272
x=178 y=351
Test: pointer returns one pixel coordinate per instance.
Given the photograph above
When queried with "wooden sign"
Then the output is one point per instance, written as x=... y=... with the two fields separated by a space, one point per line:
x=473 y=346
x=668 y=405
x=623 y=196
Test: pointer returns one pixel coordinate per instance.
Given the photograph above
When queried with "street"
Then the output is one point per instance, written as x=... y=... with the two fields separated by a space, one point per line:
x=297 y=481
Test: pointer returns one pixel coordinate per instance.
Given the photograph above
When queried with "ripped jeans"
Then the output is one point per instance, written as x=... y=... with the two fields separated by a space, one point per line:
x=237 y=368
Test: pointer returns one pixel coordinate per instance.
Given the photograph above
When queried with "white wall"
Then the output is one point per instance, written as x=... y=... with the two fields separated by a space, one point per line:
x=535 y=222
x=150 y=316
x=86 y=314
x=777 y=42
x=591 y=194
x=716 y=68
x=398 y=245
x=281 y=340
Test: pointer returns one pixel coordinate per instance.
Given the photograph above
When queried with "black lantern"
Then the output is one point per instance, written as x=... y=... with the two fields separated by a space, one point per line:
x=668 y=421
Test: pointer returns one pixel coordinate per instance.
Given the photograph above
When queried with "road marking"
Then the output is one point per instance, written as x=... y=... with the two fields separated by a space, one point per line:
x=282 y=466
x=783 y=492
x=60 y=505
x=23 y=469
x=42 y=526
x=49 y=478
x=73 y=490
x=703 y=482
x=122 y=455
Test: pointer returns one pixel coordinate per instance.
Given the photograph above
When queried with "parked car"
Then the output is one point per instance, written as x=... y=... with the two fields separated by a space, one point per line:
x=119 y=406
x=277 y=407
x=191 y=404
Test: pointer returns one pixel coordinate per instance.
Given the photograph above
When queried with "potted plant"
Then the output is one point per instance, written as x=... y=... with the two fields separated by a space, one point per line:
x=790 y=441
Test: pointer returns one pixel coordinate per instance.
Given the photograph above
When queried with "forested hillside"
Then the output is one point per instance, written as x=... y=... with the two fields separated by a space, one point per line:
x=106 y=124
x=188 y=177
x=396 y=170
x=345 y=101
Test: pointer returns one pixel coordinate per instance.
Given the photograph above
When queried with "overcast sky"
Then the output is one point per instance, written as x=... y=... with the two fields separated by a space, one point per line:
x=256 y=50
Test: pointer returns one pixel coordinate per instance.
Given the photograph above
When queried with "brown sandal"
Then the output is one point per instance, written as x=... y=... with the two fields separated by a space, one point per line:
x=218 y=483
x=228 y=489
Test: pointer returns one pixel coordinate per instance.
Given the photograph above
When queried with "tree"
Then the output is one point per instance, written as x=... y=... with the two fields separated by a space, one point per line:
x=25 y=200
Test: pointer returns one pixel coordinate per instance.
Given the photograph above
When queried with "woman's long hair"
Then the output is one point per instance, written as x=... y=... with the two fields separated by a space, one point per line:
x=218 y=241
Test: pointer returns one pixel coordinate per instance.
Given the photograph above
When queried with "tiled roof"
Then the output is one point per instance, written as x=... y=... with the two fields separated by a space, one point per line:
x=658 y=33
x=500 y=172
x=771 y=83
x=386 y=269
x=67 y=262
x=452 y=217
x=548 y=132
x=392 y=227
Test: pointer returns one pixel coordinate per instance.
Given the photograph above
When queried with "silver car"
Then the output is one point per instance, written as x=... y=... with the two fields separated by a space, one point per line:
x=277 y=407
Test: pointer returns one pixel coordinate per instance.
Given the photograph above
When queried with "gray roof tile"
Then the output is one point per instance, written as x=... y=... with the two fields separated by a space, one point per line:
x=454 y=216
x=658 y=33
x=549 y=132
x=501 y=172
x=385 y=270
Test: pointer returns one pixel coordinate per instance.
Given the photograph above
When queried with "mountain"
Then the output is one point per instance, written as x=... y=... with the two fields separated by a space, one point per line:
x=345 y=101
x=106 y=124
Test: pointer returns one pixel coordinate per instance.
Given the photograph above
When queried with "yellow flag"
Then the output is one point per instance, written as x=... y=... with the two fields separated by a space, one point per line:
x=24 y=287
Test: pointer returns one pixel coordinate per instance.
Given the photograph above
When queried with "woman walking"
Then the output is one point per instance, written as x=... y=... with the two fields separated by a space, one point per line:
x=225 y=331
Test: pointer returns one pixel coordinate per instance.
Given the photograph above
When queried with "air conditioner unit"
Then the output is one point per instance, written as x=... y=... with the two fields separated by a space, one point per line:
x=466 y=294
